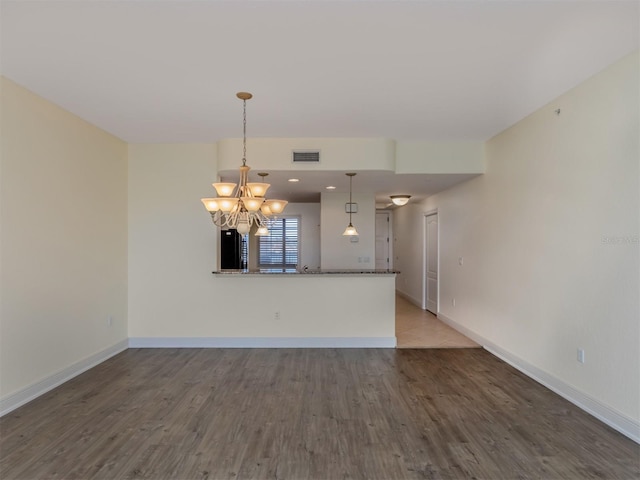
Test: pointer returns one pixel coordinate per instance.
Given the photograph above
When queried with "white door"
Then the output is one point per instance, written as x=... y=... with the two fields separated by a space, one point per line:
x=431 y=283
x=382 y=240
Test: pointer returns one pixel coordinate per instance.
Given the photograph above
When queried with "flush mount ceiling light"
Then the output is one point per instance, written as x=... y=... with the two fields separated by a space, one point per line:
x=239 y=208
x=400 y=199
x=350 y=230
x=294 y=180
x=330 y=187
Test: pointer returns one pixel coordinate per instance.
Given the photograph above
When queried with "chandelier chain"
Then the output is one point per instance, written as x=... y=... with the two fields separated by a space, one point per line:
x=244 y=132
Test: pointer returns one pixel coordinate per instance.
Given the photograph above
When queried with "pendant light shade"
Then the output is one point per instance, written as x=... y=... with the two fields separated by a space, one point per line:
x=262 y=231
x=350 y=231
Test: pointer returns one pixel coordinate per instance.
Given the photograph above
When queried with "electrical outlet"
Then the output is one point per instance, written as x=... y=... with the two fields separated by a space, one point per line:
x=110 y=321
x=276 y=316
x=580 y=356
x=460 y=261
x=453 y=302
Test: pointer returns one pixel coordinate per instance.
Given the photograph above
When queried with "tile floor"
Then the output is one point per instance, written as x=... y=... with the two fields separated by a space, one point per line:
x=417 y=328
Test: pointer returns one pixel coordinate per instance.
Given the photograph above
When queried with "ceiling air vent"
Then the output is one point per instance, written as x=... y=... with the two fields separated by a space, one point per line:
x=308 y=156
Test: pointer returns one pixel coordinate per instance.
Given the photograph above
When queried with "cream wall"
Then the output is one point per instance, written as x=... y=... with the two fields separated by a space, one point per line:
x=63 y=243
x=335 y=153
x=549 y=237
x=408 y=251
x=439 y=157
x=338 y=251
x=172 y=241
x=402 y=157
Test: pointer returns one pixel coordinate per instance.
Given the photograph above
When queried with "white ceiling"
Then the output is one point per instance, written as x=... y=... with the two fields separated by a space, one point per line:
x=167 y=71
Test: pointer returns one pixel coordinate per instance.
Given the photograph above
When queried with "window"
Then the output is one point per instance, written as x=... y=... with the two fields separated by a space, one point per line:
x=280 y=248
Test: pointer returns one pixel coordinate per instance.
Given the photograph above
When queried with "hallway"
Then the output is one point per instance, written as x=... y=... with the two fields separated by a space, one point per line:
x=417 y=328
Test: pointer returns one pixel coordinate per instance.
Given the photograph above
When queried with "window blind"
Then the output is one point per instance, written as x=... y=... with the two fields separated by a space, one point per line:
x=280 y=248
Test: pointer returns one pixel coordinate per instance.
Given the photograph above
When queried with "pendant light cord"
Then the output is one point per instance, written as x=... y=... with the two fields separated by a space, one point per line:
x=350 y=200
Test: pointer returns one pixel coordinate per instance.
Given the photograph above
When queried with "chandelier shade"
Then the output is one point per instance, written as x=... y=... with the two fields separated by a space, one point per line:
x=252 y=204
x=227 y=204
x=211 y=204
x=224 y=189
x=276 y=206
x=241 y=206
x=258 y=189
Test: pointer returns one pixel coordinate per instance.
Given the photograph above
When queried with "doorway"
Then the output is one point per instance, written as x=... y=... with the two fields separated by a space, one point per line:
x=431 y=263
x=383 y=233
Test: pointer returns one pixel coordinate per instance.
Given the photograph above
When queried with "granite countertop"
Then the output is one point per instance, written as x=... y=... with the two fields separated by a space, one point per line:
x=280 y=271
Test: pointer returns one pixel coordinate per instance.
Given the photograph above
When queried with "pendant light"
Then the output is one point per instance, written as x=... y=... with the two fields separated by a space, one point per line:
x=350 y=230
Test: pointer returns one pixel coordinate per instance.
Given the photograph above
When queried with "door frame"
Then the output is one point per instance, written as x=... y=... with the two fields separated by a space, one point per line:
x=424 y=259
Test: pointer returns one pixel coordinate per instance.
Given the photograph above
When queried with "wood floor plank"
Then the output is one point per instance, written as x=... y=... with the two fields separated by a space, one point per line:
x=308 y=413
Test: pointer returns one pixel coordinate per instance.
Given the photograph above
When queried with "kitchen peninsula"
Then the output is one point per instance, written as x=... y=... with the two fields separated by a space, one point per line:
x=313 y=308
x=291 y=271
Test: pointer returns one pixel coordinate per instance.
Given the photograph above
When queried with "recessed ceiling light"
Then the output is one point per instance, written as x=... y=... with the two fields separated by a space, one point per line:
x=331 y=187
x=294 y=180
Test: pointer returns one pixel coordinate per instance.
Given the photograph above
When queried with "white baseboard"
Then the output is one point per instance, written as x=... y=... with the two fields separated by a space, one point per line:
x=616 y=420
x=31 y=392
x=409 y=298
x=262 y=342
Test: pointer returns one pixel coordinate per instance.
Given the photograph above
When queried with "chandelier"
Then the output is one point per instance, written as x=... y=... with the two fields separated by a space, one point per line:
x=242 y=207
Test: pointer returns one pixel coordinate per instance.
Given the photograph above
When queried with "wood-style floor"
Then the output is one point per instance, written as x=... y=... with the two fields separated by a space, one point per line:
x=417 y=328
x=308 y=413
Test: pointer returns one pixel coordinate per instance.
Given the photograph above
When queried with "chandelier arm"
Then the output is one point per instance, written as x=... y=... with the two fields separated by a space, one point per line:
x=232 y=219
x=220 y=219
x=260 y=219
